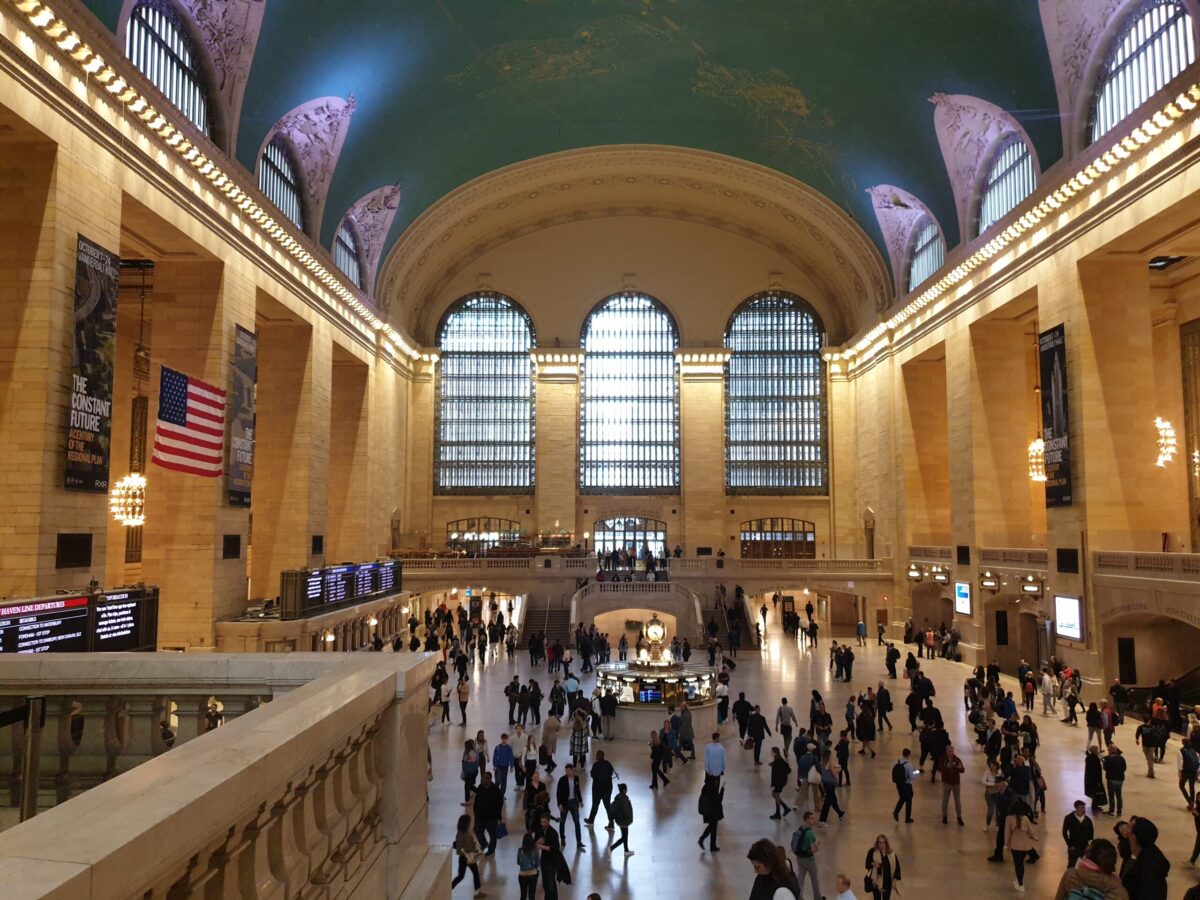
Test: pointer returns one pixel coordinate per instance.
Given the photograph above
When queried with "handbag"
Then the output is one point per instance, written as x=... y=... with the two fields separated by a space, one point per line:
x=868 y=883
x=501 y=831
x=749 y=744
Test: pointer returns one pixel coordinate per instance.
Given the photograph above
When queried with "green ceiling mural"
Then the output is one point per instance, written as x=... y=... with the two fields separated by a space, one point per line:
x=832 y=92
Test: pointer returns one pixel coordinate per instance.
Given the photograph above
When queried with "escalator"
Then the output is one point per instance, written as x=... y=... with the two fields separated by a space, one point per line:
x=1141 y=697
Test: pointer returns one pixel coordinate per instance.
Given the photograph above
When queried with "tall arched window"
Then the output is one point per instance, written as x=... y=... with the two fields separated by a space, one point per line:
x=1010 y=179
x=775 y=398
x=1154 y=46
x=157 y=43
x=277 y=179
x=484 y=428
x=629 y=415
x=927 y=253
x=345 y=253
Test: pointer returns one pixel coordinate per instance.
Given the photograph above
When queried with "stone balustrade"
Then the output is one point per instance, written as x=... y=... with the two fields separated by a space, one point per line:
x=931 y=554
x=417 y=570
x=1171 y=566
x=313 y=786
x=1015 y=557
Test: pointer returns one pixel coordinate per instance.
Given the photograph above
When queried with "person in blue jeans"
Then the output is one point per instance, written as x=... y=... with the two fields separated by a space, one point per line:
x=502 y=761
x=829 y=787
x=1114 y=774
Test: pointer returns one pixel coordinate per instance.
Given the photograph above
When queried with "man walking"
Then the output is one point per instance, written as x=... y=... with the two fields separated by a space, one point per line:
x=741 y=712
x=951 y=769
x=489 y=807
x=903 y=776
x=602 y=774
x=714 y=759
x=502 y=761
x=785 y=720
x=805 y=845
x=622 y=815
x=1077 y=831
x=569 y=798
x=758 y=730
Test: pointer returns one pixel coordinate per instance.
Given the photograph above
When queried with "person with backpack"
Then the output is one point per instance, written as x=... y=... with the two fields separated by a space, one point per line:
x=903 y=775
x=805 y=846
x=1187 y=763
x=1092 y=877
x=773 y=875
x=622 y=816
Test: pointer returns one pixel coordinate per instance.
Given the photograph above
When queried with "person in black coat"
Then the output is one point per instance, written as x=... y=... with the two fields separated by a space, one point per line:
x=489 y=807
x=552 y=862
x=712 y=810
x=1093 y=779
x=1077 y=831
x=780 y=770
x=1145 y=875
x=741 y=710
x=569 y=800
x=758 y=730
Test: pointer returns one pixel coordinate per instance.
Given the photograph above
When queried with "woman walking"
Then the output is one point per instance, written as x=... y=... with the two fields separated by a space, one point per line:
x=529 y=862
x=1020 y=839
x=866 y=727
x=470 y=771
x=779 y=779
x=1095 y=724
x=529 y=759
x=712 y=810
x=549 y=743
x=579 y=741
x=773 y=875
x=883 y=868
x=657 y=754
x=994 y=782
x=467 y=848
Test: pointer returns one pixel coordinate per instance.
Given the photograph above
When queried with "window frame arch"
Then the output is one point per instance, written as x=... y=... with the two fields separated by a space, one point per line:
x=202 y=71
x=1015 y=168
x=354 y=250
x=663 y=472
x=1111 y=47
x=484 y=485
x=280 y=142
x=786 y=388
x=916 y=246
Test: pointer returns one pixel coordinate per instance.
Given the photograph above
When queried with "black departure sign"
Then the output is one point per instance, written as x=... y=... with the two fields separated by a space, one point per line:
x=117 y=620
x=310 y=592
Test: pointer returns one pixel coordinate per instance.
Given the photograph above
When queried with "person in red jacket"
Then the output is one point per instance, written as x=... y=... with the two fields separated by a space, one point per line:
x=951 y=769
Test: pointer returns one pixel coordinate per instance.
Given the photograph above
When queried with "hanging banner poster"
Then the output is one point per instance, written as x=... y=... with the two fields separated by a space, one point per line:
x=243 y=370
x=1056 y=421
x=89 y=425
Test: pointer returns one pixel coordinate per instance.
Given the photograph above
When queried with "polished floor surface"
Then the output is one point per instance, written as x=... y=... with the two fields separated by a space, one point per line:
x=668 y=863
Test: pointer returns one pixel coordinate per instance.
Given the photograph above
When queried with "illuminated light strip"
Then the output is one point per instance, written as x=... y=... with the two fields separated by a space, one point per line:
x=1138 y=142
x=42 y=17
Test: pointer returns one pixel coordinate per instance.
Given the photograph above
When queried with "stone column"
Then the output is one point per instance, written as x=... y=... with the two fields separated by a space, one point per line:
x=557 y=436
x=418 y=523
x=702 y=447
x=196 y=306
x=925 y=453
x=290 y=493
x=848 y=538
x=388 y=456
x=50 y=197
x=349 y=452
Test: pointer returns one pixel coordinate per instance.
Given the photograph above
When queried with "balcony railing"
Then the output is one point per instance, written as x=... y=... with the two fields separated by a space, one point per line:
x=313 y=793
x=1173 y=566
x=932 y=554
x=1014 y=557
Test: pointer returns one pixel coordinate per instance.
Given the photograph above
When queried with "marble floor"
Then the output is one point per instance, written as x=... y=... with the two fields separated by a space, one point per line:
x=666 y=825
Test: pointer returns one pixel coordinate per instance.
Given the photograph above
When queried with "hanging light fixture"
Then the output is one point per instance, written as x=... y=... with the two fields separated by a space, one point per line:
x=127 y=502
x=1167 y=446
x=1037 y=460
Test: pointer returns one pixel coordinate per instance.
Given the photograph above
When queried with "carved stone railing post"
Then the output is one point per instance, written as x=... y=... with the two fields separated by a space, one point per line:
x=118 y=731
x=255 y=878
x=289 y=861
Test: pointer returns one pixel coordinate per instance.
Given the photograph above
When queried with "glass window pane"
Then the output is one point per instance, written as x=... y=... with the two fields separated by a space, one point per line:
x=484 y=431
x=1155 y=45
x=928 y=252
x=629 y=414
x=1009 y=180
x=158 y=45
x=345 y=253
x=277 y=179
x=775 y=439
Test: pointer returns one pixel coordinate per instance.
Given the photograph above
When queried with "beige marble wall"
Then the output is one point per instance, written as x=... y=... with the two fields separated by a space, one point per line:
x=702 y=458
x=349 y=447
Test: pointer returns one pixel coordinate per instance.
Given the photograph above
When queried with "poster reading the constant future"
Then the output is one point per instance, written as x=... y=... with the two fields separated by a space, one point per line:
x=1056 y=422
x=89 y=425
x=241 y=416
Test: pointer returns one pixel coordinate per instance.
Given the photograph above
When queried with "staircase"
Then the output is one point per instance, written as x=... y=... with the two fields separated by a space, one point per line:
x=555 y=621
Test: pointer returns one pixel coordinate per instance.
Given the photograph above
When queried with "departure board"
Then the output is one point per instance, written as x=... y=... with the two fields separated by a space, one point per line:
x=118 y=623
x=45 y=626
x=309 y=592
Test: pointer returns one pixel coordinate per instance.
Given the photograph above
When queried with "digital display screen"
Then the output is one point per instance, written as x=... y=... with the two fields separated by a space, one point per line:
x=118 y=623
x=1068 y=618
x=962 y=598
x=338 y=587
x=47 y=626
x=303 y=592
x=314 y=587
x=387 y=576
x=364 y=579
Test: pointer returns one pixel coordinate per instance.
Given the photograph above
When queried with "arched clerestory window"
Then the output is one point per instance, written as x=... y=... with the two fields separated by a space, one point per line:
x=484 y=440
x=1154 y=45
x=629 y=414
x=345 y=253
x=278 y=179
x=926 y=253
x=775 y=434
x=1010 y=179
x=157 y=43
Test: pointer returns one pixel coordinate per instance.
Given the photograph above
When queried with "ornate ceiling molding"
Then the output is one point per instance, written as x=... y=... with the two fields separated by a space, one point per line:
x=1077 y=34
x=898 y=213
x=639 y=180
x=969 y=131
x=316 y=131
x=372 y=215
x=228 y=31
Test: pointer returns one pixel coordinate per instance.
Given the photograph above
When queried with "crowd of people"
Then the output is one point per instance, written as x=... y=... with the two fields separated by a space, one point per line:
x=809 y=763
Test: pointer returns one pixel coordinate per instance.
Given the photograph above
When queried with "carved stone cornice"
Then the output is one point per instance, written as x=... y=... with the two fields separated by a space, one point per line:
x=898 y=213
x=316 y=131
x=969 y=132
x=745 y=199
x=372 y=216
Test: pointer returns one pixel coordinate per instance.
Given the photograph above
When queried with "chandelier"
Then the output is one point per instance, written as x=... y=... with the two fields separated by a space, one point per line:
x=1167 y=446
x=1037 y=460
x=127 y=502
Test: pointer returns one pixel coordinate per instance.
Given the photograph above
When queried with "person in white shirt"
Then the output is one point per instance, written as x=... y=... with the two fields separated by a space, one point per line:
x=842 y=885
x=1047 y=693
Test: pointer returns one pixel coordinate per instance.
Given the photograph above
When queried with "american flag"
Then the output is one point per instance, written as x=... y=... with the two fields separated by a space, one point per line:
x=190 y=434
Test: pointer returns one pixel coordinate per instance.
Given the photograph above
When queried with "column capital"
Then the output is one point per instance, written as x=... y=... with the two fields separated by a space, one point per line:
x=702 y=363
x=558 y=364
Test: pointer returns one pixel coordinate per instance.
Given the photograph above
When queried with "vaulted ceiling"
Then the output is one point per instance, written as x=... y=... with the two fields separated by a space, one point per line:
x=835 y=93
